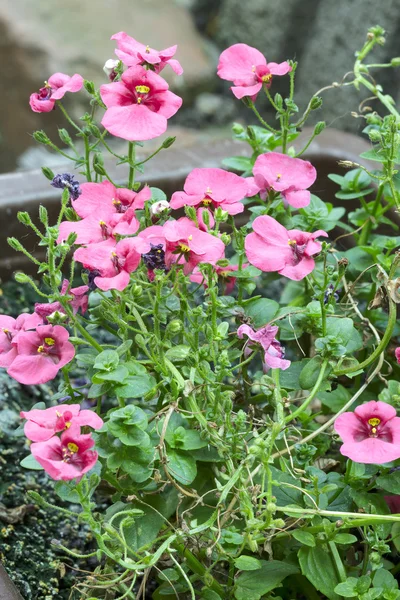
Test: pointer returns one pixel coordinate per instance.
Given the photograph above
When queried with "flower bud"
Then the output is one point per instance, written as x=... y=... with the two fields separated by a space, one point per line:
x=319 y=127
x=205 y=215
x=89 y=86
x=374 y=136
x=237 y=128
x=64 y=137
x=226 y=239
x=395 y=62
x=168 y=142
x=220 y=214
x=94 y=130
x=159 y=207
x=279 y=523
x=24 y=218
x=21 y=277
x=271 y=507
x=41 y=137
x=348 y=164
x=137 y=291
x=315 y=102
x=110 y=67
x=15 y=244
x=43 y=215
x=223 y=262
x=175 y=326
x=71 y=239
x=57 y=318
x=191 y=213
x=48 y=173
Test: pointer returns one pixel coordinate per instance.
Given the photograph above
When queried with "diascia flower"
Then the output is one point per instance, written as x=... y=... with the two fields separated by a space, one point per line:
x=54 y=89
x=248 y=69
x=41 y=354
x=371 y=434
x=274 y=354
x=79 y=300
x=397 y=355
x=285 y=174
x=139 y=105
x=107 y=200
x=273 y=248
x=225 y=274
x=41 y=424
x=114 y=262
x=66 y=457
x=9 y=330
x=133 y=53
x=212 y=188
x=187 y=245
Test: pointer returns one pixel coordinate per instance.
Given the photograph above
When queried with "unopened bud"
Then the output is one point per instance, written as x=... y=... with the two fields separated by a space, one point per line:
x=15 y=244
x=319 y=127
x=43 y=215
x=57 y=318
x=94 y=130
x=21 y=277
x=48 y=173
x=237 y=128
x=24 y=218
x=71 y=239
x=395 y=62
x=41 y=137
x=348 y=164
x=64 y=136
x=271 y=507
x=220 y=214
x=110 y=67
x=137 y=291
x=175 y=326
x=315 y=102
x=342 y=265
x=159 y=207
x=226 y=239
x=205 y=215
x=169 y=141
x=223 y=262
x=191 y=213
x=89 y=86
x=374 y=136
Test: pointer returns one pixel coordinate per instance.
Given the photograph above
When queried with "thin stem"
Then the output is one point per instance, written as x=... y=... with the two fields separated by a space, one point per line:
x=311 y=397
x=368 y=225
x=66 y=115
x=131 y=160
x=87 y=158
x=259 y=117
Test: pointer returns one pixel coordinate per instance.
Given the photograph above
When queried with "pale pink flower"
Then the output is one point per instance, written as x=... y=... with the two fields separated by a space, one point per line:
x=133 y=53
x=41 y=354
x=79 y=300
x=10 y=329
x=248 y=69
x=285 y=174
x=114 y=262
x=397 y=355
x=107 y=200
x=66 y=457
x=273 y=248
x=212 y=188
x=187 y=245
x=55 y=89
x=274 y=354
x=370 y=434
x=42 y=424
x=139 y=105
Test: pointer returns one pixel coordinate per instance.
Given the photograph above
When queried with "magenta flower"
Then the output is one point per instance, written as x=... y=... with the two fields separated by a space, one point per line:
x=133 y=53
x=106 y=200
x=114 y=262
x=78 y=301
x=248 y=69
x=66 y=457
x=10 y=329
x=55 y=89
x=41 y=354
x=187 y=245
x=274 y=354
x=139 y=105
x=289 y=176
x=397 y=355
x=371 y=434
x=41 y=425
x=212 y=188
x=273 y=248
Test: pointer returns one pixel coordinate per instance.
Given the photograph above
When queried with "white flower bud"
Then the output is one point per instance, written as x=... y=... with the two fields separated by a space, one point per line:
x=159 y=207
x=110 y=65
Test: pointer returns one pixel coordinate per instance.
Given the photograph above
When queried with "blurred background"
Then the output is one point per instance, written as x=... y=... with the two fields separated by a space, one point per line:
x=40 y=37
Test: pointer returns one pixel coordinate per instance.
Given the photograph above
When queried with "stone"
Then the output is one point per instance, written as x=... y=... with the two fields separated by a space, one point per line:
x=39 y=38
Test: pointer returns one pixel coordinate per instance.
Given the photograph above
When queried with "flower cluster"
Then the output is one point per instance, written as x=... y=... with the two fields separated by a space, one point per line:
x=68 y=456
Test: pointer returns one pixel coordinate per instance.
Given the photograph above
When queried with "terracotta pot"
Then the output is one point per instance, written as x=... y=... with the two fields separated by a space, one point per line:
x=27 y=190
x=8 y=591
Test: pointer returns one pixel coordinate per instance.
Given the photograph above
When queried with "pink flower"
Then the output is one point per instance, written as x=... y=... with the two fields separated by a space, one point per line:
x=41 y=425
x=79 y=300
x=55 y=89
x=224 y=273
x=41 y=354
x=10 y=329
x=133 y=53
x=187 y=245
x=397 y=355
x=106 y=200
x=66 y=457
x=289 y=176
x=371 y=434
x=139 y=105
x=273 y=248
x=113 y=261
x=212 y=188
x=248 y=69
x=265 y=337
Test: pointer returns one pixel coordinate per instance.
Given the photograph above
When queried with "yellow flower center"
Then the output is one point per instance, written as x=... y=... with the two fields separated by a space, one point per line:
x=40 y=349
x=72 y=447
x=116 y=202
x=147 y=49
x=113 y=254
x=49 y=341
x=374 y=421
x=102 y=223
x=206 y=201
x=266 y=78
x=278 y=176
x=68 y=424
x=292 y=242
x=142 y=89
x=184 y=247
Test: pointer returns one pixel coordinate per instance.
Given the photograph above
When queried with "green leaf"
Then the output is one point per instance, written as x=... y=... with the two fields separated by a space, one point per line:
x=304 y=537
x=336 y=399
x=238 y=163
x=136 y=386
x=310 y=373
x=207 y=594
x=178 y=352
x=261 y=310
x=128 y=425
x=395 y=533
x=181 y=466
x=318 y=566
x=30 y=462
x=185 y=439
x=345 y=538
x=157 y=194
x=390 y=482
x=118 y=374
x=248 y=563
x=348 y=589
x=255 y=584
x=385 y=579
x=353 y=195
x=107 y=360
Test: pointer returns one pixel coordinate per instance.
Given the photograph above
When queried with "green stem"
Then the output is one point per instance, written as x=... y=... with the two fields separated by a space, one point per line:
x=87 y=158
x=368 y=225
x=66 y=115
x=259 y=117
x=341 y=571
x=131 y=160
x=311 y=397
x=196 y=566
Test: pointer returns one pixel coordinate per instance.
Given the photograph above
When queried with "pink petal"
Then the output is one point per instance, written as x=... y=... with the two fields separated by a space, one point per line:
x=349 y=427
x=371 y=451
x=95 y=197
x=299 y=271
x=175 y=66
x=297 y=198
x=378 y=409
x=116 y=94
x=237 y=62
x=279 y=68
x=40 y=106
x=134 y=123
x=118 y=282
x=241 y=91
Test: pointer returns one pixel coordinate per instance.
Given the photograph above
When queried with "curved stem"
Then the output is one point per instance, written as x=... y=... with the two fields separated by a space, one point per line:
x=311 y=397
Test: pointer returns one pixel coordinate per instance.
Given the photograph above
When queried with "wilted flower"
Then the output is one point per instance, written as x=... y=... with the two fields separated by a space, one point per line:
x=67 y=181
x=274 y=354
x=54 y=89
